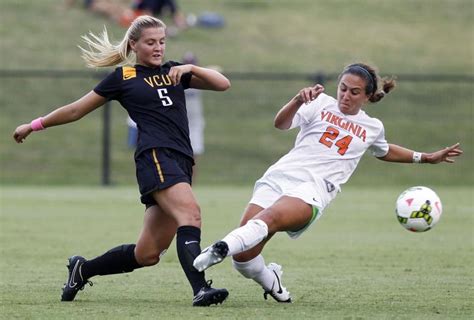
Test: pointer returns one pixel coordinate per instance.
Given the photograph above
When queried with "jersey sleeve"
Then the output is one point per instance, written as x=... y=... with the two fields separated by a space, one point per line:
x=380 y=146
x=308 y=112
x=186 y=80
x=110 y=87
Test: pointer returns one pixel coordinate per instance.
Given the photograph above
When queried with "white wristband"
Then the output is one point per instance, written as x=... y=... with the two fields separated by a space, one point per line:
x=416 y=157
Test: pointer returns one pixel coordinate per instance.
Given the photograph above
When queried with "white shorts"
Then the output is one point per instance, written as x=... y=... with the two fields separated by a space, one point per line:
x=266 y=193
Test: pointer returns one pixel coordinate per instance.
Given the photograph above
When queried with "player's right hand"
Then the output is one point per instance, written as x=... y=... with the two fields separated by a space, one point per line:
x=176 y=72
x=306 y=95
x=22 y=132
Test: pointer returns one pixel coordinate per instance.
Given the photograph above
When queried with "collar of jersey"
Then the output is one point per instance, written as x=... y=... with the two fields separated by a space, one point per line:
x=140 y=66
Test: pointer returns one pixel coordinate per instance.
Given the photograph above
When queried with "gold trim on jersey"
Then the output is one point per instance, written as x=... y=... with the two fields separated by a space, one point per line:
x=158 y=167
x=129 y=73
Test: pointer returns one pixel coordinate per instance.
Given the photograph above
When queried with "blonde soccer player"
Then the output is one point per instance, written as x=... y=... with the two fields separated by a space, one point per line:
x=152 y=92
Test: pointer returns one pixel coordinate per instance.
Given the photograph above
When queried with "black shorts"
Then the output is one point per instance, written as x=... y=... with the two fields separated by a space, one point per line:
x=160 y=168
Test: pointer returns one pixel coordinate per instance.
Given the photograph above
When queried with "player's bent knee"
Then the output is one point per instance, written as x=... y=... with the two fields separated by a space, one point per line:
x=271 y=221
x=191 y=218
x=150 y=259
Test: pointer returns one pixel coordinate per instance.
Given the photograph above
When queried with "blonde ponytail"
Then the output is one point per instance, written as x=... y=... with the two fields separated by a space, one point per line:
x=102 y=53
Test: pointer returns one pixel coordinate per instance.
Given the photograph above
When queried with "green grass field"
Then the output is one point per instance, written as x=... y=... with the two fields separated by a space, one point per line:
x=356 y=262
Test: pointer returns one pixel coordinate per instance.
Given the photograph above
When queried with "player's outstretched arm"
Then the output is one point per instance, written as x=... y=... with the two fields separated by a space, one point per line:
x=286 y=114
x=400 y=154
x=65 y=114
x=203 y=78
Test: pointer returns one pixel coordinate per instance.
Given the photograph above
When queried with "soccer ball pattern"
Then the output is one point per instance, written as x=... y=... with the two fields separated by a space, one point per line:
x=418 y=209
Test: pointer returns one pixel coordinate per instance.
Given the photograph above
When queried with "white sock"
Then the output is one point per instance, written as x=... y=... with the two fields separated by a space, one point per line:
x=256 y=270
x=246 y=237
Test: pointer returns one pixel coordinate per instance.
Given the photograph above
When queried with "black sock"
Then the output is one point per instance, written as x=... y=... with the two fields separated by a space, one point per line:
x=120 y=259
x=188 y=240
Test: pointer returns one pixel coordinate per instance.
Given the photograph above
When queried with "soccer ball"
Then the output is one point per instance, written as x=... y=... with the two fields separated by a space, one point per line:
x=418 y=209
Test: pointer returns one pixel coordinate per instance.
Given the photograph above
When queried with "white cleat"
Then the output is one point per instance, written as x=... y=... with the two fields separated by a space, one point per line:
x=211 y=255
x=278 y=291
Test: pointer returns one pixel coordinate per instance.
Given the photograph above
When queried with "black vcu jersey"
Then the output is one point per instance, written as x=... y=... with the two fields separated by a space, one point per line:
x=154 y=103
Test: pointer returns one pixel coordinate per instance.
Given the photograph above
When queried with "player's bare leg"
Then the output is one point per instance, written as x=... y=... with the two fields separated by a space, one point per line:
x=157 y=233
x=246 y=243
x=178 y=202
x=155 y=237
x=286 y=214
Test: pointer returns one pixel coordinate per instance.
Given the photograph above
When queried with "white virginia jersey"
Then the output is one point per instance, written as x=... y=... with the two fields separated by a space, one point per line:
x=328 y=146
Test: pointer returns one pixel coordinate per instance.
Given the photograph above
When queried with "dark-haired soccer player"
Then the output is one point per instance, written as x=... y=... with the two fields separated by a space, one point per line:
x=293 y=192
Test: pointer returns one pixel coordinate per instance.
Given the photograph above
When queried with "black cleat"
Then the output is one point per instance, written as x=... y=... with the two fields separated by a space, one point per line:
x=75 y=281
x=207 y=296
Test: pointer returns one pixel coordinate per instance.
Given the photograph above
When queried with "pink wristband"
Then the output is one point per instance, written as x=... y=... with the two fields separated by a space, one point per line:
x=37 y=125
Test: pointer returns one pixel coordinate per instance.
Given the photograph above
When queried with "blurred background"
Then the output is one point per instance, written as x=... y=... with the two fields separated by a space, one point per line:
x=269 y=49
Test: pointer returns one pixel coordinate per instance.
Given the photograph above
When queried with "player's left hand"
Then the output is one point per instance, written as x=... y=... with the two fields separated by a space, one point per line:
x=176 y=72
x=444 y=155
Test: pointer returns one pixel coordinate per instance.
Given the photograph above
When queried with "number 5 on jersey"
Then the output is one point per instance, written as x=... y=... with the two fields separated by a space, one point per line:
x=329 y=138
x=165 y=100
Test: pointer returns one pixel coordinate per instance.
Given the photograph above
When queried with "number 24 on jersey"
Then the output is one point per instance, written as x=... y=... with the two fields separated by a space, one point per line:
x=331 y=137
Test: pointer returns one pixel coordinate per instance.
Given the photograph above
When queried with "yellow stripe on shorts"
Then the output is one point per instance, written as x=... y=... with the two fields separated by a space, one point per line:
x=158 y=167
